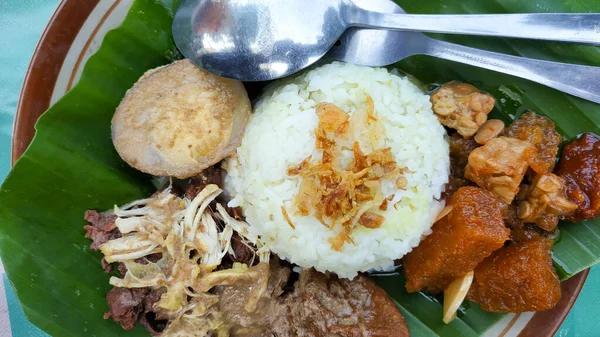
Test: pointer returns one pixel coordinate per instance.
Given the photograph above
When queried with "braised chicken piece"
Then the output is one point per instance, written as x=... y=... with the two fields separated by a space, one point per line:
x=546 y=201
x=460 y=148
x=579 y=166
x=541 y=133
x=462 y=107
x=471 y=231
x=500 y=165
x=517 y=278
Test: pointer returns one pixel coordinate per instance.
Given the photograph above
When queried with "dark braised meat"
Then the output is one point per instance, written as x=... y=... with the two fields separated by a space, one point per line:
x=540 y=132
x=462 y=107
x=519 y=231
x=325 y=305
x=579 y=166
x=311 y=304
x=151 y=318
x=152 y=258
x=460 y=148
x=243 y=252
x=102 y=228
x=517 y=278
x=128 y=305
x=468 y=234
x=211 y=175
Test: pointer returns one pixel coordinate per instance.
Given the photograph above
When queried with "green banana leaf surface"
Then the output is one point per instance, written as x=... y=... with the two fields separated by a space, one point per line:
x=71 y=166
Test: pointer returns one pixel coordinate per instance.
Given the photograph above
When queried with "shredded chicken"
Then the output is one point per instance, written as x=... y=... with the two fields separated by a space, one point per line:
x=500 y=165
x=462 y=107
x=345 y=197
x=546 y=201
x=186 y=234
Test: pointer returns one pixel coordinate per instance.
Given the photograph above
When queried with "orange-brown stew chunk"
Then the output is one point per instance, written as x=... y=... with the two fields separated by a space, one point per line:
x=461 y=240
x=579 y=166
x=541 y=133
x=517 y=278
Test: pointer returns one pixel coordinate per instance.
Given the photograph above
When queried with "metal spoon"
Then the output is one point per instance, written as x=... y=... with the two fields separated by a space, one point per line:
x=267 y=39
x=378 y=48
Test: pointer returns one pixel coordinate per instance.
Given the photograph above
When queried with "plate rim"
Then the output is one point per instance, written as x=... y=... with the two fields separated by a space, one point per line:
x=36 y=93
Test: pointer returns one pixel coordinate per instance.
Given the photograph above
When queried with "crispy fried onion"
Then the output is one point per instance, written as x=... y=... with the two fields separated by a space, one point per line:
x=343 y=197
x=192 y=240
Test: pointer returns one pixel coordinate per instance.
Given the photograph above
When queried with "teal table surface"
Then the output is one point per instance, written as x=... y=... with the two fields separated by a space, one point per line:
x=21 y=23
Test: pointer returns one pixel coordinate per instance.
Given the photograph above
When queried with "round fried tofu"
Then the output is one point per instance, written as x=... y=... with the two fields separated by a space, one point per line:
x=178 y=120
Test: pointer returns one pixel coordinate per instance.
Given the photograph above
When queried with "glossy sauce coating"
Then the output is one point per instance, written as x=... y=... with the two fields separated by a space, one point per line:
x=461 y=240
x=517 y=278
x=579 y=166
x=541 y=133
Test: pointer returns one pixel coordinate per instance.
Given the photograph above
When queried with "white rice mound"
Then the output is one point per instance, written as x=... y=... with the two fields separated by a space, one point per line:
x=280 y=134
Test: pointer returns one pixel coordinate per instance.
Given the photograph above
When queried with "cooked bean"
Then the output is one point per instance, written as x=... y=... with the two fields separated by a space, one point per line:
x=480 y=118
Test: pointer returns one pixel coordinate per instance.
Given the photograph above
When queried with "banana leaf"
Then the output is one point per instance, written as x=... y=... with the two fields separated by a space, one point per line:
x=72 y=166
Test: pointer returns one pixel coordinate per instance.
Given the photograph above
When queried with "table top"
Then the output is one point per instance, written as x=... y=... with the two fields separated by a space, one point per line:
x=21 y=24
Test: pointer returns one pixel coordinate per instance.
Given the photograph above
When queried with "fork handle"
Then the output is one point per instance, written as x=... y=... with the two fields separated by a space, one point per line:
x=574 y=79
x=566 y=27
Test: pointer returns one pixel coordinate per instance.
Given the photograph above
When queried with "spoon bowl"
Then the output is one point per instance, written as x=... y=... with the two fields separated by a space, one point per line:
x=256 y=40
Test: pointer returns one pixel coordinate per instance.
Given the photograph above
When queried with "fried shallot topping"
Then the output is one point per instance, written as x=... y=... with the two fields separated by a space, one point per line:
x=351 y=195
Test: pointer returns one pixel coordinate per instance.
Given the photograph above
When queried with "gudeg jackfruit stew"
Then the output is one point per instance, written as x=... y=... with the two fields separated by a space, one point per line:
x=269 y=217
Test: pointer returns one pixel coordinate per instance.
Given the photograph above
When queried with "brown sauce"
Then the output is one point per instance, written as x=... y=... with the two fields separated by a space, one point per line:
x=579 y=165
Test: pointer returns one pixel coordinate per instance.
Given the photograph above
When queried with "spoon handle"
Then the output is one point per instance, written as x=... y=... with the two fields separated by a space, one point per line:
x=580 y=28
x=577 y=80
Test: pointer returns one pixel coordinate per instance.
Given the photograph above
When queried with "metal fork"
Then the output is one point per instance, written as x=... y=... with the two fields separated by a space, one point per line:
x=380 y=48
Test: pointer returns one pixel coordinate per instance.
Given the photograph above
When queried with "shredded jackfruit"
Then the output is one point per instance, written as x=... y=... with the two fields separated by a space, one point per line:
x=191 y=241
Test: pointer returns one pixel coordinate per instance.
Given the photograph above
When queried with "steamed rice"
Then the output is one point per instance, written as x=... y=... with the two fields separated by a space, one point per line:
x=280 y=134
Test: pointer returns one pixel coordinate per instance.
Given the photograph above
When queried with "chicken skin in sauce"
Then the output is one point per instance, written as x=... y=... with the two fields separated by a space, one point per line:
x=500 y=165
